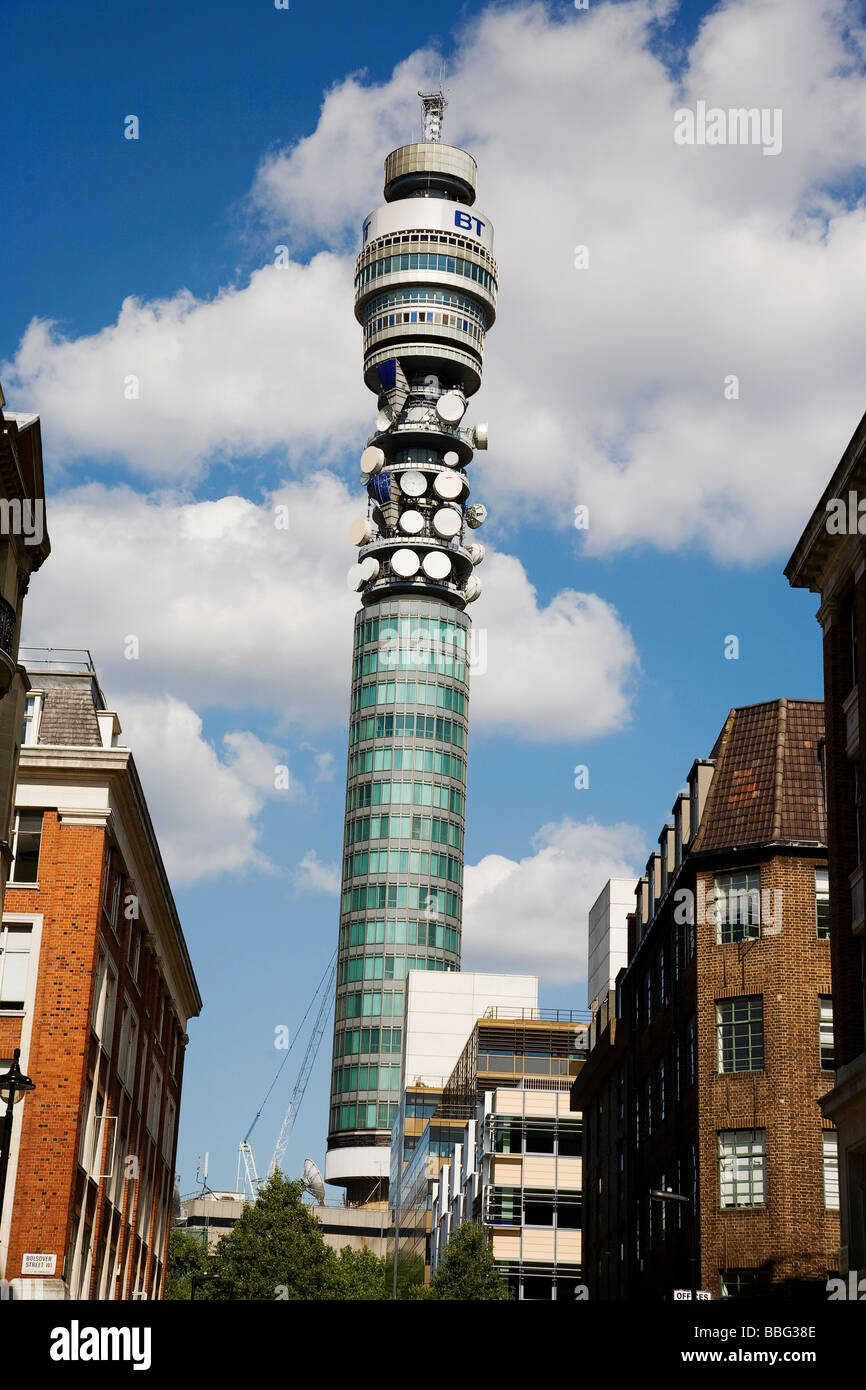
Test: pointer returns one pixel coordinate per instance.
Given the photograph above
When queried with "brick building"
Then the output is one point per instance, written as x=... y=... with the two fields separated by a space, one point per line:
x=24 y=546
x=830 y=559
x=96 y=988
x=708 y=1061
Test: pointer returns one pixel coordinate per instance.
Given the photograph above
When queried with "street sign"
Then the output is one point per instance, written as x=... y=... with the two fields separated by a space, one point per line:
x=680 y=1294
x=38 y=1264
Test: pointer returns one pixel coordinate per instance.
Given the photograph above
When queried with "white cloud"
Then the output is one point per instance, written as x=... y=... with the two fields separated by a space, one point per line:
x=244 y=614
x=272 y=364
x=553 y=670
x=325 y=767
x=205 y=805
x=604 y=386
x=531 y=914
x=312 y=875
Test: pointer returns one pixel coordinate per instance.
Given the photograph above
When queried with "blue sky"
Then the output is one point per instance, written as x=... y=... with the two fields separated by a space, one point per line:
x=602 y=386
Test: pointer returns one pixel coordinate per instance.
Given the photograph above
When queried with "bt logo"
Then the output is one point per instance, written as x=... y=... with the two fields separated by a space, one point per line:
x=464 y=220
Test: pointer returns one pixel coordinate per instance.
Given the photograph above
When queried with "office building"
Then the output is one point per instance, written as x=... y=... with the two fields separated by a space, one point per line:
x=829 y=560
x=708 y=1163
x=24 y=546
x=96 y=989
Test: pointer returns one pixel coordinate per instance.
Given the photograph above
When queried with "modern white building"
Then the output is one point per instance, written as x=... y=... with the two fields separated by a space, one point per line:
x=608 y=937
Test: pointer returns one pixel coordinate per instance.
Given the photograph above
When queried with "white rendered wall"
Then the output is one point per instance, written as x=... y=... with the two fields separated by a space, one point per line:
x=608 y=936
x=441 y=1011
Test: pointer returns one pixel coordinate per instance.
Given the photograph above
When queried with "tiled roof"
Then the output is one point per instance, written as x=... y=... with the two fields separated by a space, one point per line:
x=768 y=782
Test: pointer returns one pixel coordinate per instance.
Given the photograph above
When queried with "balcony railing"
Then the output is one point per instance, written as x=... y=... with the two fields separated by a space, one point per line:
x=77 y=659
x=7 y=626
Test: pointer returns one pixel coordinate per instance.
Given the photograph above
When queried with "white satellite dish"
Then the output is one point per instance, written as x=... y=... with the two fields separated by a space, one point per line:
x=436 y=564
x=372 y=459
x=384 y=420
x=473 y=588
x=360 y=531
x=369 y=568
x=476 y=515
x=479 y=436
x=355 y=578
x=405 y=563
x=313 y=1180
x=416 y=412
x=413 y=483
x=451 y=408
x=447 y=522
x=448 y=485
x=475 y=552
x=451 y=459
x=411 y=522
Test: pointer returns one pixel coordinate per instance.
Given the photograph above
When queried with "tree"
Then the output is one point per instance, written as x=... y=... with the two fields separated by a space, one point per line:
x=275 y=1251
x=186 y=1256
x=360 y=1275
x=467 y=1269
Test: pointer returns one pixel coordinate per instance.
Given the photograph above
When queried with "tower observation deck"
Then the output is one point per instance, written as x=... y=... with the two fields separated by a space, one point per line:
x=425 y=296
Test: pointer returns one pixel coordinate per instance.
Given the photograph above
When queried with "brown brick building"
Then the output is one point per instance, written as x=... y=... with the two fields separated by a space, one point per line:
x=708 y=1062
x=830 y=559
x=96 y=988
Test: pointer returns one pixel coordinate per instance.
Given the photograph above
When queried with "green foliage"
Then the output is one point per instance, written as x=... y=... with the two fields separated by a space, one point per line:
x=360 y=1275
x=187 y=1255
x=467 y=1269
x=275 y=1251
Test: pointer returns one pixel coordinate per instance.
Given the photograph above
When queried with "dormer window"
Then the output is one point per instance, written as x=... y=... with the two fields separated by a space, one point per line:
x=30 y=725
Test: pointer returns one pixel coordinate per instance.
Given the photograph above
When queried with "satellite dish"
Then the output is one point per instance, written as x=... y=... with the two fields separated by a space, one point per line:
x=413 y=483
x=372 y=459
x=475 y=552
x=449 y=485
x=451 y=408
x=476 y=515
x=384 y=420
x=361 y=574
x=436 y=564
x=360 y=531
x=479 y=436
x=451 y=459
x=313 y=1180
x=473 y=588
x=447 y=522
x=380 y=487
x=416 y=412
x=405 y=563
x=411 y=522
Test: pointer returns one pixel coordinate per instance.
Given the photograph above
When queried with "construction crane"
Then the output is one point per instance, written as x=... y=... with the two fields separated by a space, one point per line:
x=246 y=1157
x=304 y=1074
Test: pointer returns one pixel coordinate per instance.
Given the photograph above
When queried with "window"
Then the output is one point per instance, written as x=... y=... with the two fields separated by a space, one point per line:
x=168 y=1129
x=30 y=725
x=104 y=993
x=154 y=1099
x=740 y=1033
x=737 y=907
x=661 y=1090
x=15 y=942
x=826 y=1049
x=663 y=984
x=691 y=1051
x=127 y=1049
x=830 y=1142
x=742 y=1168
x=822 y=904
x=744 y=1283
x=134 y=950
x=26 y=839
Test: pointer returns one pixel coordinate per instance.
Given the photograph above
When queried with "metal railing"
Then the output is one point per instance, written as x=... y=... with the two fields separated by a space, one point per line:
x=7 y=626
x=535 y=1015
x=76 y=659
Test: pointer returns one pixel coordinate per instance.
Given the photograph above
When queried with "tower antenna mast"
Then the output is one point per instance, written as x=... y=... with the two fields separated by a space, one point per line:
x=433 y=106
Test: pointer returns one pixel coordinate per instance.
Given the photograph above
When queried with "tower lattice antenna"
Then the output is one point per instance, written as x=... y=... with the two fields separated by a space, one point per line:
x=432 y=113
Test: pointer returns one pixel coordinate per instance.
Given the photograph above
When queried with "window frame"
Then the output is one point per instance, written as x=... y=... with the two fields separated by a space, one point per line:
x=730 y=932
x=733 y=1042
x=735 y=1137
x=12 y=882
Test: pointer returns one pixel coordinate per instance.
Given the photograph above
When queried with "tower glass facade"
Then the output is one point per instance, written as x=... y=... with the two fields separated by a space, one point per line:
x=425 y=293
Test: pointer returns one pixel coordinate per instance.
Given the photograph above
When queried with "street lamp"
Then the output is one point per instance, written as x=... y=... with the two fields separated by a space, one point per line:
x=14 y=1086
x=665 y=1195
